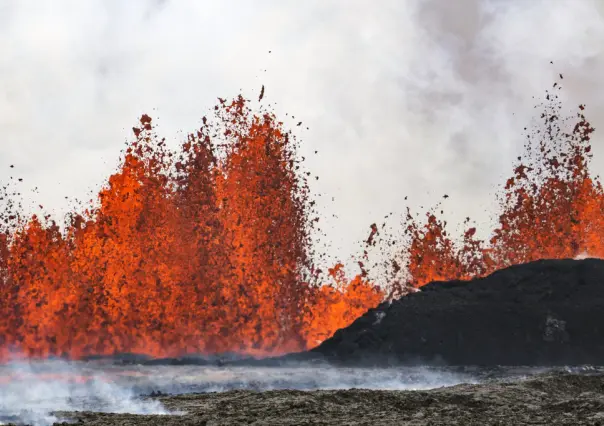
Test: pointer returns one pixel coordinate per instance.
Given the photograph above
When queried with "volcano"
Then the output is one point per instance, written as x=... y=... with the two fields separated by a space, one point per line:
x=548 y=312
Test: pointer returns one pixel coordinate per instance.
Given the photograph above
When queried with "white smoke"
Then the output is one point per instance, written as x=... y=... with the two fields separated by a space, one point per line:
x=415 y=97
x=31 y=392
x=186 y=379
x=36 y=392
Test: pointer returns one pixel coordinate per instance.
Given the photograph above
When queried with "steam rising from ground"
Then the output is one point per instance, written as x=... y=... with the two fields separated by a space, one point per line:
x=37 y=392
x=33 y=392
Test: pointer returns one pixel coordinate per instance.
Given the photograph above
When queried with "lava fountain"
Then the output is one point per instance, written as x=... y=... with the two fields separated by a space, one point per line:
x=207 y=249
x=551 y=208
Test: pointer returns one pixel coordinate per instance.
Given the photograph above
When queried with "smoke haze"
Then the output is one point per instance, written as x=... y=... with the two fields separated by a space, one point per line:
x=402 y=98
x=36 y=392
x=32 y=393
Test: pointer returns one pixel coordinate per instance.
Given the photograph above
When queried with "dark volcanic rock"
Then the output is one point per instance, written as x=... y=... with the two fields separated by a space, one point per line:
x=549 y=312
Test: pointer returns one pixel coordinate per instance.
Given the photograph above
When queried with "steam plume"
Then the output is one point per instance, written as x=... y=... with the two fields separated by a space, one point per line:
x=414 y=98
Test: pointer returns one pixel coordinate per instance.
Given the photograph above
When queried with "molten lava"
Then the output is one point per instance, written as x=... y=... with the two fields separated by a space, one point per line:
x=207 y=250
x=203 y=251
x=551 y=208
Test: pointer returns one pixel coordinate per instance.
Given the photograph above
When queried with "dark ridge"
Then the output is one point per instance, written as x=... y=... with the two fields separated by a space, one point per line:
x=120 y=358
x=548 y=312
x=216 y=360
x=289 y=360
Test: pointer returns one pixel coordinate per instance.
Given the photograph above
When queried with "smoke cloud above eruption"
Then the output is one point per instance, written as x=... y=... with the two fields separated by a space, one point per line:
x=402 y=98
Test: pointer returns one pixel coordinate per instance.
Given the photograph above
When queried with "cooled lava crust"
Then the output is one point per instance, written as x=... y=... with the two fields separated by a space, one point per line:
x=548 y=312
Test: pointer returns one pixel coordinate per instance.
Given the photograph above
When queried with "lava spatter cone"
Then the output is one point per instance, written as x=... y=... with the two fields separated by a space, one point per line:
x=547 y=312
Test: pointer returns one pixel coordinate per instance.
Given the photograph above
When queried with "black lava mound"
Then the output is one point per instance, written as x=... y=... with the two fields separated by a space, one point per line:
x=549 y=312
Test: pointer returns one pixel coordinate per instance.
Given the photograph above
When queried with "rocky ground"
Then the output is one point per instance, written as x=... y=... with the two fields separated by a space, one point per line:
x=550 y=399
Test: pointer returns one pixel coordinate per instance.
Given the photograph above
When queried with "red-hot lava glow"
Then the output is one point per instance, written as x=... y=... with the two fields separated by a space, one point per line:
x=551 y=208
x=202 y=251
x=207 y=250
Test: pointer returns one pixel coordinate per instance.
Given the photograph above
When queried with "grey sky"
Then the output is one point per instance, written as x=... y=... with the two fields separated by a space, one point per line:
x=417 y=98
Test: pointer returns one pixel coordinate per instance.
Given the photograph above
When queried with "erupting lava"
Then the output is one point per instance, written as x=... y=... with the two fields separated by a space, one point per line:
x=208 y=250
x=204 y=251
x=551 y=208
